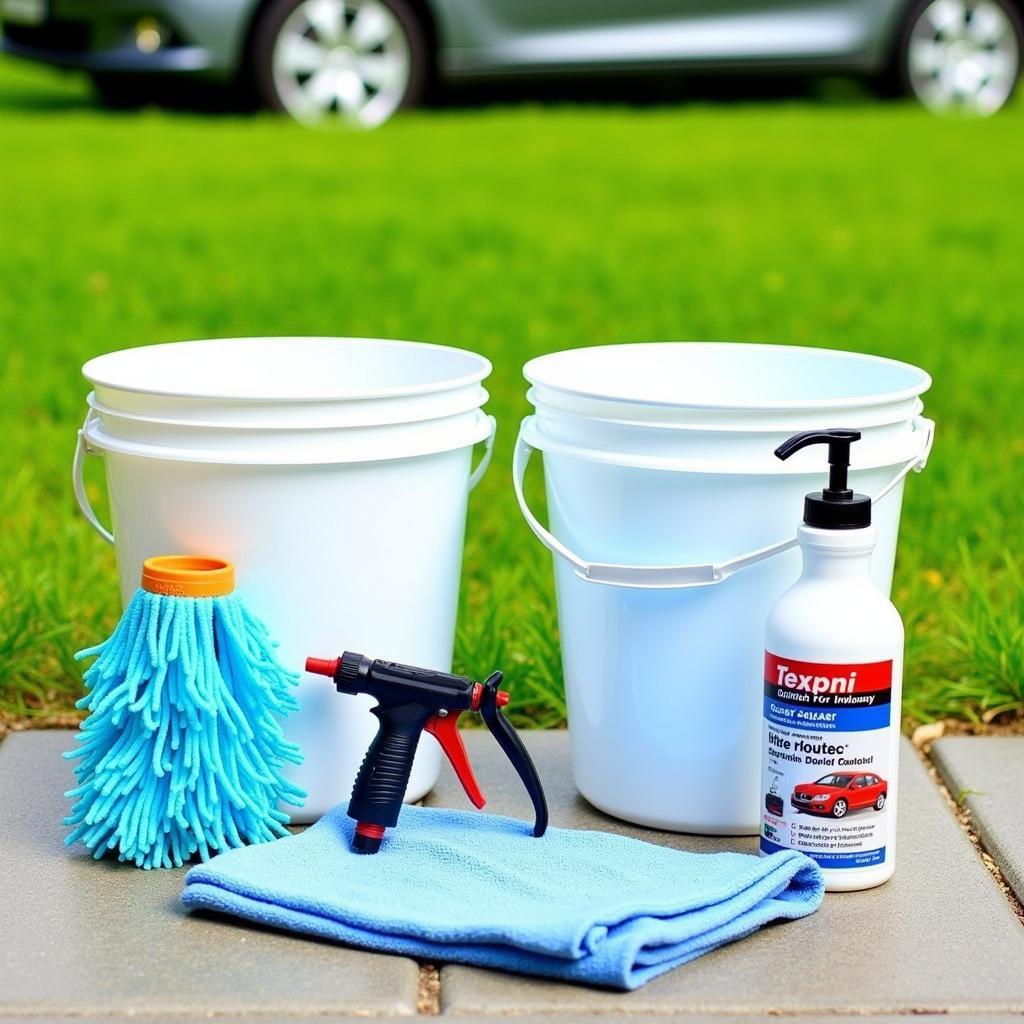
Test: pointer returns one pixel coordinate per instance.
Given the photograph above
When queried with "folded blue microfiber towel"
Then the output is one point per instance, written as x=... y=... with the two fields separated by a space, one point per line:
x=476 y=889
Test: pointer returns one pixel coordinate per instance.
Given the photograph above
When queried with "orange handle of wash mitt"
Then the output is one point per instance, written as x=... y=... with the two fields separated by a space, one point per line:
x=188 y=576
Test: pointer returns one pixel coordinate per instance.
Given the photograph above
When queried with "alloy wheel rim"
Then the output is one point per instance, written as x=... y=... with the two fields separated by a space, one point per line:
x=963 y=56
x=342 y=60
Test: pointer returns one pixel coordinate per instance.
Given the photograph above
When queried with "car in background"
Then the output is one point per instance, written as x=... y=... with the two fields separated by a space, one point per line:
x=361 y=60
x=840 y=793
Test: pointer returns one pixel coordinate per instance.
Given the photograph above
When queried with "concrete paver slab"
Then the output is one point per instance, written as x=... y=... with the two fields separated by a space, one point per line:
x=272 y=1016
x=985 y=772
x=530 y=1018
x=92 y=939
x=715 y=1018
x=939 y=937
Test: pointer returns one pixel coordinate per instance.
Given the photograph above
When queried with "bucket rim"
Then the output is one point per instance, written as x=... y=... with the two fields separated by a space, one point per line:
x=92 y=372
x=227 y=426
x=824 y=404
x=553 y=413
x=462 y=435
x=766 y=467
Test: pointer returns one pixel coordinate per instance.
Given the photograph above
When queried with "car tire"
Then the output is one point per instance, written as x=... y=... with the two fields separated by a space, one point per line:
x=880 y=802
x=961 y=56
x=839 y=809
x=360 y=70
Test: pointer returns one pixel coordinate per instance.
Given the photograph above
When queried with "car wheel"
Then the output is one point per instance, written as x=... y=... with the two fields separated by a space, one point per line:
x=962 y=56
x=839 y=809
x=354 y=61
x=880 y=802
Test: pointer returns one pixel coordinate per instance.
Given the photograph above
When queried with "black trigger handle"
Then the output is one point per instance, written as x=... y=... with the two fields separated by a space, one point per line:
x=509 y=741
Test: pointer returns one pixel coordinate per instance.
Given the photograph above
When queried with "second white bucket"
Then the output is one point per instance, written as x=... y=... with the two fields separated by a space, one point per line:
x=333 y=472
x=673 y=530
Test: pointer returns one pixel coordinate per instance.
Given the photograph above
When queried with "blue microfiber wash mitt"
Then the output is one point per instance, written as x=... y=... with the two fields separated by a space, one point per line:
x=183 y=748
x=477 y=889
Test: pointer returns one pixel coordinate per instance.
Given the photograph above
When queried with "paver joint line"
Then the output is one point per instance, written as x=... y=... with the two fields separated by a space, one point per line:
x=429 y=1002
x=962 y=814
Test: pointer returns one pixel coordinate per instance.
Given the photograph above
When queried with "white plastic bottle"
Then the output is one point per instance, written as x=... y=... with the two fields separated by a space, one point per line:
x=832 y=691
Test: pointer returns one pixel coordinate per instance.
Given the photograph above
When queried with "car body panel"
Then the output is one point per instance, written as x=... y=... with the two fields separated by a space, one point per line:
x=506 y=37
x=515 y=36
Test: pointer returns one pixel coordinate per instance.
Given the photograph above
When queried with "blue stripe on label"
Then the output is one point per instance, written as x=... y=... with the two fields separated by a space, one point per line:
x=864 y=859
x=800 y=716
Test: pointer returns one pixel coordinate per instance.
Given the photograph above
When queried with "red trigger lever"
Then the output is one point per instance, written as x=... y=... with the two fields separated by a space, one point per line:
x=446 y=731
x=444 y=727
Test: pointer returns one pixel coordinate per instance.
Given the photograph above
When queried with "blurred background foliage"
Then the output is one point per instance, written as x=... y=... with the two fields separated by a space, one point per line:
x=514 y=230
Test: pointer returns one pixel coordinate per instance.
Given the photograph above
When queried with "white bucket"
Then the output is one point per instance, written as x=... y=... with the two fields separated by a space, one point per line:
x=661 y=485
x=334 y=472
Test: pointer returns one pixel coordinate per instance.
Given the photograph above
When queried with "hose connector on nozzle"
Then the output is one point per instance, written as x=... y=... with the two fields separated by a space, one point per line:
x=345 y=671
x=323 y=666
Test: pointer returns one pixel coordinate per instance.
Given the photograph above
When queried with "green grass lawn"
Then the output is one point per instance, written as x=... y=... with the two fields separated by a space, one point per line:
x=517 y=231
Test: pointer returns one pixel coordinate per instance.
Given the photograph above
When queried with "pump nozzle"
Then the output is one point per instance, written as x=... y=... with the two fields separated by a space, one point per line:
x=836 y=507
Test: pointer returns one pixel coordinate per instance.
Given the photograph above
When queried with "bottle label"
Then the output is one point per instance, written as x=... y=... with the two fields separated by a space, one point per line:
x=826 y=743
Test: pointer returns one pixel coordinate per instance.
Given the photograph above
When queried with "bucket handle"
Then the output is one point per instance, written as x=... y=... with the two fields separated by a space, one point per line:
x=78 y=482
x=665 y=577
x=485 y=460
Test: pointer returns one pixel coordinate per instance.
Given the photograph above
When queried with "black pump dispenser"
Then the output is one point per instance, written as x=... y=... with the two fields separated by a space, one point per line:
x=836 y=507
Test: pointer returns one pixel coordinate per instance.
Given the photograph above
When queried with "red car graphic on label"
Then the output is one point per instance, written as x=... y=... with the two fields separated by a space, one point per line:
x=839 y=793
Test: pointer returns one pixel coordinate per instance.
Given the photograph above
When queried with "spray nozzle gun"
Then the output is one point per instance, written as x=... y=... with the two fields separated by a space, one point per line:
x=409 y=700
